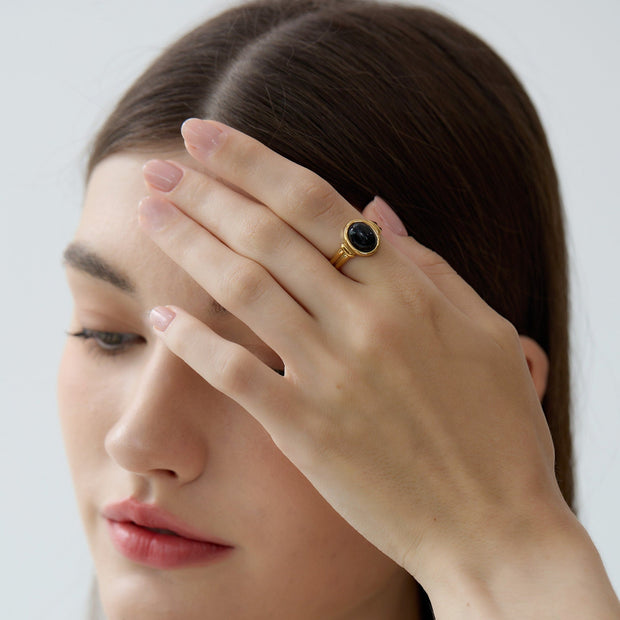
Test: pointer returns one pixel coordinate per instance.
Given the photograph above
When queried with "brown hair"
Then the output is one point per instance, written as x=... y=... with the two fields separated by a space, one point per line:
x=390 y=100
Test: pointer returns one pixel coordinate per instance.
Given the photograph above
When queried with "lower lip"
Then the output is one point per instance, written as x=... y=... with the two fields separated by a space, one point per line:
x=157 y=550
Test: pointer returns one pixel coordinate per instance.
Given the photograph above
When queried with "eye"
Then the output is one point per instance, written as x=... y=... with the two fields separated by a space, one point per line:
x=109 y=343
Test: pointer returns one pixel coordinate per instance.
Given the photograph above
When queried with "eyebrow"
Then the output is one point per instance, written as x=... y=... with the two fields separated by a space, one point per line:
x=78 y=256
x=81 y=257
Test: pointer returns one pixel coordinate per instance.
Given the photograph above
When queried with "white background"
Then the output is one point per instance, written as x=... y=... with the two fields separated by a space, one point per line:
x=63 y=64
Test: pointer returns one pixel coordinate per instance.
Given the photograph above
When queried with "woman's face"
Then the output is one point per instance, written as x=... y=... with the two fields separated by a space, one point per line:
x=145 y=434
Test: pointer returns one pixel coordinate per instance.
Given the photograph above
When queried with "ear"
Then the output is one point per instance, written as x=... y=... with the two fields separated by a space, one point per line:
x=537 y=362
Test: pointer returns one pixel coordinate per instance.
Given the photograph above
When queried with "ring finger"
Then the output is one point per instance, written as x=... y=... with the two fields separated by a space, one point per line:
x=295 y=194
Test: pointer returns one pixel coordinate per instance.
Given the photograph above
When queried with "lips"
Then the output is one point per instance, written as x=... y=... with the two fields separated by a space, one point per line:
x=148 y=535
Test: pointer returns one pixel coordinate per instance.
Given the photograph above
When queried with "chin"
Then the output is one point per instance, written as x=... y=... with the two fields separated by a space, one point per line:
x=138 y=597
x=132 y=592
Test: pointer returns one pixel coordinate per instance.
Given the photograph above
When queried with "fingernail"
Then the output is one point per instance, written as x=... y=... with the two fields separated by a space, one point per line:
x=154 y=213
x=388 y=218
x=161 y=317
x=162 y=175
x=204 y=136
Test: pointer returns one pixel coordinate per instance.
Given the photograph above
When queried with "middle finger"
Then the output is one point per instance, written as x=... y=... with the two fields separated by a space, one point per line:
x=254 y=231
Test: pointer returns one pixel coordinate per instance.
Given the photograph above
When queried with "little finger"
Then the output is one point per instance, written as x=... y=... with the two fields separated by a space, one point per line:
x=443 y=276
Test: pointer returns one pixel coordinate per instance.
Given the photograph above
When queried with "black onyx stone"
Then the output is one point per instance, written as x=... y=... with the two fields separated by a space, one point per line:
x=362 y=237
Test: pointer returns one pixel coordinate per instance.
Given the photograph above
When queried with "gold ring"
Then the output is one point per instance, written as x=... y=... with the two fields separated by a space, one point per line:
x=359 y=238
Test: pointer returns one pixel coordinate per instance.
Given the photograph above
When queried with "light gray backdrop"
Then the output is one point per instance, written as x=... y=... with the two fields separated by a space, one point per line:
x=63 y=63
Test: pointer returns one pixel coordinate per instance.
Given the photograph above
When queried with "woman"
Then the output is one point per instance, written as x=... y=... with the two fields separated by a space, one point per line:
x=401 y=435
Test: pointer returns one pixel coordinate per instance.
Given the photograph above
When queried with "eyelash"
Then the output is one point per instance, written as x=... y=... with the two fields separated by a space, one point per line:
x=99 y=337
x=108 y=343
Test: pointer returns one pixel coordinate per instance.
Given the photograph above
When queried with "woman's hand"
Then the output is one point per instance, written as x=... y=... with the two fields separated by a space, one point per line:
x=406 y=400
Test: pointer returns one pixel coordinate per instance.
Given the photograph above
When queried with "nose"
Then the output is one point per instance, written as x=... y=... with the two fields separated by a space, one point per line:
x=160 y=432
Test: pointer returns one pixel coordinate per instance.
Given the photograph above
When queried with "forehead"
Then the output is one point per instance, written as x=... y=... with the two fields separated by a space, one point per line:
x=109 y=227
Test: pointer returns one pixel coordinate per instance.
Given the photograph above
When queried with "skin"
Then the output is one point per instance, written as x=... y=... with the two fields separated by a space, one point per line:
x=421 y=427
x=141 y=423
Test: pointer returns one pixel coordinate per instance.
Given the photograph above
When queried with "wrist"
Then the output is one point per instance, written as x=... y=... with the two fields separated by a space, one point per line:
x=543 y=565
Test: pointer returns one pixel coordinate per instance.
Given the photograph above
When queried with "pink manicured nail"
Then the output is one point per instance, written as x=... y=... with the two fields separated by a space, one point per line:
x=388 y=218
x=162 y=175
x=204 y=136
x=155 y=213
x=161 y=317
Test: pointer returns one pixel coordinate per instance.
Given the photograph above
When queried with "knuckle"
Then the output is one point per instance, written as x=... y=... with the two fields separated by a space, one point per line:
x=247 y=155
x=314 y=195
x=244 y=283
x=232 y=371
x=377 y=331
x=374 y=333
x=420 y=302
x=180 y=338
x=183 y=242
x=326 y=432
x=432 y=263
x=261 y=233
x=504 y=333
x=193 y=191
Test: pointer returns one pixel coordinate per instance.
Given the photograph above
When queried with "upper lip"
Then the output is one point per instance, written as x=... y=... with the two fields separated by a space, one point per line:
x=152 y=516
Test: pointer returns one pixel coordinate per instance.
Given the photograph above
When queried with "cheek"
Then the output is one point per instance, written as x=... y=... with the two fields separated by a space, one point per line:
x=298 y=528
x=84 y=418
x=305 y=552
